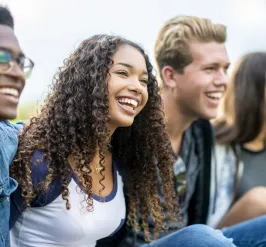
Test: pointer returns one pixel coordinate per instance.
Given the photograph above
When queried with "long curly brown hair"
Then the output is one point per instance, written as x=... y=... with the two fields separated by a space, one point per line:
x=73 y=121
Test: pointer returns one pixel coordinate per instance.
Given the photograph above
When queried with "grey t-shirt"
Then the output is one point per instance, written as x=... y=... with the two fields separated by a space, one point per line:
x=254 y=171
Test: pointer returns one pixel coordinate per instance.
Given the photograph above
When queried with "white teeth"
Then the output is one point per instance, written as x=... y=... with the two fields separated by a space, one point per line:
x=132 y=102
x=9 y=91
x=217 y=95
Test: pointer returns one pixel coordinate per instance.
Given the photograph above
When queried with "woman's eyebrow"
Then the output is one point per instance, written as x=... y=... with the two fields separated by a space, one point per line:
x=130 y=67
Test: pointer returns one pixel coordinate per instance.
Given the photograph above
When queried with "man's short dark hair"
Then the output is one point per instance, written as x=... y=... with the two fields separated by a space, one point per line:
x=6 y=17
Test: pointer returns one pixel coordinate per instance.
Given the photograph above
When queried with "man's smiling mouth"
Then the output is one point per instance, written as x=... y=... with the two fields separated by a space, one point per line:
x=9 y=91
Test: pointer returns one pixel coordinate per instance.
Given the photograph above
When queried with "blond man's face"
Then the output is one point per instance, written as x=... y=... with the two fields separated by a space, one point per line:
x=202 y=84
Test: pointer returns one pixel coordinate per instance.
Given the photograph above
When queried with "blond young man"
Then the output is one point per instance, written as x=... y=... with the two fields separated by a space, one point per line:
x=192 y=62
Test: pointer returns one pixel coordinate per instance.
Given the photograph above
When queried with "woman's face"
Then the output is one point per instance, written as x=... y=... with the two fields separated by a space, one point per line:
x=127 y=86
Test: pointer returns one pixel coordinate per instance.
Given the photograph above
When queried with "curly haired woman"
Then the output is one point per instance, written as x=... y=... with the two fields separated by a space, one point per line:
x=102 y=121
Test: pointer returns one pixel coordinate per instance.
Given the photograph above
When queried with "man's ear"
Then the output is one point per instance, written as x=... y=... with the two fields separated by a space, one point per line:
x=169 y=76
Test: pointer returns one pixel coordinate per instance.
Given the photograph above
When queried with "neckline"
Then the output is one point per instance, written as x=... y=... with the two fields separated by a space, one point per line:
x=99 y=198
x=254 y=152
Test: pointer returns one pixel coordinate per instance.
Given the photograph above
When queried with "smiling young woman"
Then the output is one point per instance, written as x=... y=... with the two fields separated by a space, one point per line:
x=101 y=122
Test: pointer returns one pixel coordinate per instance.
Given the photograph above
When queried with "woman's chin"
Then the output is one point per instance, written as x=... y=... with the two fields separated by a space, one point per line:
x=122 y=122
x=127 y=123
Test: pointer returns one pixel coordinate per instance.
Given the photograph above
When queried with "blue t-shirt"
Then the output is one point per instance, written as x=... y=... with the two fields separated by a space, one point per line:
x=8 y=147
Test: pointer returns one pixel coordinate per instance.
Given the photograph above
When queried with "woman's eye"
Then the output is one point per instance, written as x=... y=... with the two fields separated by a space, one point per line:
x=124 y=73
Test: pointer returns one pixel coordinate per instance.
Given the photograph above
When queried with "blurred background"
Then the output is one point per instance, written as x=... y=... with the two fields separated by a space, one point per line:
x=49 y=30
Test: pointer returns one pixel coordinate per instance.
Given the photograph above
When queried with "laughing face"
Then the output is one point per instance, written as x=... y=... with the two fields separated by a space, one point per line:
x=12 y=81
x=127 y=86
x=201 y=86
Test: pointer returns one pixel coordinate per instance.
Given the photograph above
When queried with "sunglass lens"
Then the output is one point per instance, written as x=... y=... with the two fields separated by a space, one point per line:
x=4 y=57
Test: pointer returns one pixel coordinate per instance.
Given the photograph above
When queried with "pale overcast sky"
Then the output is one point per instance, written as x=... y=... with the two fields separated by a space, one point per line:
x=49 y=30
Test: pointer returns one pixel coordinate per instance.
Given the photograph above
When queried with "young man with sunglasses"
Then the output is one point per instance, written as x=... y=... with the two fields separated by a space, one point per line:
x=14 y=69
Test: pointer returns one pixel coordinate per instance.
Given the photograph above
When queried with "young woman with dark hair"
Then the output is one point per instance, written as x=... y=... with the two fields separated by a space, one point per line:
x=241 y=135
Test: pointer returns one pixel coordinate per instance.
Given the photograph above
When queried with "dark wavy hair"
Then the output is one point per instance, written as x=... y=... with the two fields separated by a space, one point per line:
x=243 y=106
x=73 y=121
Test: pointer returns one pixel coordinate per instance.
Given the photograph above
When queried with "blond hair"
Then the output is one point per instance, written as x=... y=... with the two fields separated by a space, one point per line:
x=172 y=44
